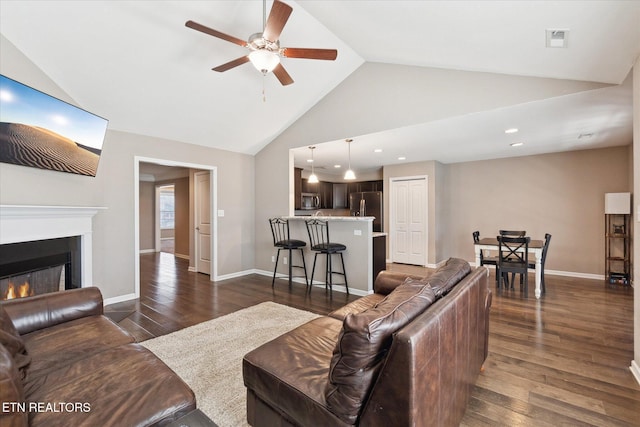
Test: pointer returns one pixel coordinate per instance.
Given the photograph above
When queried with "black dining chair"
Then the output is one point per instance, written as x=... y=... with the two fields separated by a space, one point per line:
x=484 y=259
x=547 y=239
x=513 y=257
x=513 y=233
x=282 y=240
x=318 y=230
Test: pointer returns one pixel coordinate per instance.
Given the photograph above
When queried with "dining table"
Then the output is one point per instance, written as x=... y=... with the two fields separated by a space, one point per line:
x=535 y=248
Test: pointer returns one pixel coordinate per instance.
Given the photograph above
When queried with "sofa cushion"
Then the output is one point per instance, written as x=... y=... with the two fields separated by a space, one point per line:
x=13 y=342
x=123 y=386
x=363 y=343
x=291 y=372
x=68 y=342
x=357 y=306
x=447 y=276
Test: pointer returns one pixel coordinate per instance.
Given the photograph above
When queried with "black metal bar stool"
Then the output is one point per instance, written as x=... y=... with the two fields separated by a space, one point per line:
x=318 y=230
x=282 y=240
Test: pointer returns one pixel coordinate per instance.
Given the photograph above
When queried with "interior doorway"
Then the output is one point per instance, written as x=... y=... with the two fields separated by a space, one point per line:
x=193 y=201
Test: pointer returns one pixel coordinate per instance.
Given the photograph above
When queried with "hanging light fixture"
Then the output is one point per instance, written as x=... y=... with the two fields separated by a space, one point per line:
x=313 y=179
x=349 y=174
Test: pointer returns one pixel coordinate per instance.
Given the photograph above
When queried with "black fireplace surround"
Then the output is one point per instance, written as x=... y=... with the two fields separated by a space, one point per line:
x=26 y=257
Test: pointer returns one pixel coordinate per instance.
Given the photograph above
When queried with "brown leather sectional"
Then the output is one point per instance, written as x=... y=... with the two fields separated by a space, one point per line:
x=407 y=355
x=63 y=363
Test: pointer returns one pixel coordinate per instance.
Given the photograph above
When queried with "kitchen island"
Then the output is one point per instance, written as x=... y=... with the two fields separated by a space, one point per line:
x=356 y=233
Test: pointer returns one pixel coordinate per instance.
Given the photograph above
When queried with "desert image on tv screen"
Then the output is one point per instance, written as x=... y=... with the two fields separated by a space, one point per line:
x=41 y=131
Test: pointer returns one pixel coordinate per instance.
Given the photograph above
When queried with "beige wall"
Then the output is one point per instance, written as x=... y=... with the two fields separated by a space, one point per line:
x=561 y=194
x=113 y=187
x=147 y=215
x=182 y=216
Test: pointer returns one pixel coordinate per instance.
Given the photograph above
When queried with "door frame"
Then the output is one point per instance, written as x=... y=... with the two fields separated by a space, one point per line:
x=392 y=198
x=213 y=171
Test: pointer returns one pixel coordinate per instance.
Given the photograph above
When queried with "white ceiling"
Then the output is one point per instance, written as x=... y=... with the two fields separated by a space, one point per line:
x=135 y=63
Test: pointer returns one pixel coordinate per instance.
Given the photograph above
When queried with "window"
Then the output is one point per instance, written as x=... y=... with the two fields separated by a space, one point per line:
x=167 y=207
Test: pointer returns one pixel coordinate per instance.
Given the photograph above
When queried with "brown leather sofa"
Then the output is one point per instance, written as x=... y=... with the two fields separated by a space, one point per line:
x=407 y=355
x=63 y=363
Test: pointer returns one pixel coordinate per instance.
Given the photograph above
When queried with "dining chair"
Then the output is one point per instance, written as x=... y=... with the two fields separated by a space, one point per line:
x=547 y=239
x=282 y=240
x=513 y=233
x=484 y=258
x=513 y=257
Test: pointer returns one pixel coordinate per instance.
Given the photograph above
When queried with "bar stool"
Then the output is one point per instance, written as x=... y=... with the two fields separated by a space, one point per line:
x=282 y=240
x=318 y=230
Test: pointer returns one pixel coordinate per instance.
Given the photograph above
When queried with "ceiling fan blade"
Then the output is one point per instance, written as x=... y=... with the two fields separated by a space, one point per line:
x=282 y=75
x=277 y=19
x=231 y=64
x=301 y=52
x=215 y=33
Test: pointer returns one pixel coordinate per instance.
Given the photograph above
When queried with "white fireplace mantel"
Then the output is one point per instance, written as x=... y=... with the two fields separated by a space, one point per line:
x=25 y=223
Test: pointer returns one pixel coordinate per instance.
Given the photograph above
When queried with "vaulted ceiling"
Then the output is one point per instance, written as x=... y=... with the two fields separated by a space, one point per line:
x=135 y=63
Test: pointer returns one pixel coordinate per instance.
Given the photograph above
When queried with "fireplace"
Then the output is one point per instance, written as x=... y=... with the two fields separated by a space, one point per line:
x=50 y=247
x=37 y=267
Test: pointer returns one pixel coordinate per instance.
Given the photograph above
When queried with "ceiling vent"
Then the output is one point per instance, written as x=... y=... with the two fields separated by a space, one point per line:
x=557 y=37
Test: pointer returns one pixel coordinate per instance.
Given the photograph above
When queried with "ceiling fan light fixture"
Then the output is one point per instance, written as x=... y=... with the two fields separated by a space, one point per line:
x=264 y=60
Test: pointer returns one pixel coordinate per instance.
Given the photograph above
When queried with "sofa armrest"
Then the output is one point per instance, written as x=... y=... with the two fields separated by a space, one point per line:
x=42 y=311
x=387 y=281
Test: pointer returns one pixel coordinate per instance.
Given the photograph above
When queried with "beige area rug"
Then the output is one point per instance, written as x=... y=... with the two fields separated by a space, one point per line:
x=208 y=356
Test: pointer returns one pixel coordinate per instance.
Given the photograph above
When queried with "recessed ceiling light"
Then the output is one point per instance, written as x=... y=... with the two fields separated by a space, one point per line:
x=402 y=158
x=517 y=144
x=309 y=160
x=337 y=166
x=512 y=130
x=378 y=150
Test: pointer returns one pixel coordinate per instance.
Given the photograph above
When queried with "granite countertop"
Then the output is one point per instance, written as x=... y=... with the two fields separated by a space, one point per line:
x=333 y=218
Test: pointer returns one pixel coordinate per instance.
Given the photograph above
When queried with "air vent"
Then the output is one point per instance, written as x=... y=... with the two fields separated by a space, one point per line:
x=557 y=37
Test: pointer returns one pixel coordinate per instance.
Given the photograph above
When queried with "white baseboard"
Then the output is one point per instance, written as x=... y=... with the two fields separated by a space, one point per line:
x=233 y=275
x=635 y=370
x=147 y=251
x=559 y=273
x=121 y=298
x=191 y=269
x=337 y=288
x=183 y=256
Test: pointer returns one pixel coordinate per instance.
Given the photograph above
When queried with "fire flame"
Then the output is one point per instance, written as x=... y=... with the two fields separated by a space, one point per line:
x=19 y=291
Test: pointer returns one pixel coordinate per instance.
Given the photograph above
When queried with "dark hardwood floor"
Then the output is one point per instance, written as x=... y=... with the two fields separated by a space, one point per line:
x=560 y=360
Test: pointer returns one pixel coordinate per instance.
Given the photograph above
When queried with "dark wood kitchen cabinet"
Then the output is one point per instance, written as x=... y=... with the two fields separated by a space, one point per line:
x=297 y=187
x=340 y=196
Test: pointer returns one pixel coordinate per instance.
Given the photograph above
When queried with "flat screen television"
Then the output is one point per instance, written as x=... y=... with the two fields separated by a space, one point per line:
x=41 y=131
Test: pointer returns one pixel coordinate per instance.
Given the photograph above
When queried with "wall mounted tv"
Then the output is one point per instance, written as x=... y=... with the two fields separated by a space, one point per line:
x=41 y=131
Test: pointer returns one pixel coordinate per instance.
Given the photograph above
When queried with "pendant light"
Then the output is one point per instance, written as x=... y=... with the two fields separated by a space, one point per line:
x=349 y=174
x=313 y=179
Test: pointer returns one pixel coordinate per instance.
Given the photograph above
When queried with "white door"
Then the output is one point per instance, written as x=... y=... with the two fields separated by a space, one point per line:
x=408 y=211
x=203 y=222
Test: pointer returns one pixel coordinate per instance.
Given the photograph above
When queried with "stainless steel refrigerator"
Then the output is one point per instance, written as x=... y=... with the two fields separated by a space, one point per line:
x=367 y=203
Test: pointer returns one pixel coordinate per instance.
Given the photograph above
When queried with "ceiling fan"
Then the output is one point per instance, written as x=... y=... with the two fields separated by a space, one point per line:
x=265 y=46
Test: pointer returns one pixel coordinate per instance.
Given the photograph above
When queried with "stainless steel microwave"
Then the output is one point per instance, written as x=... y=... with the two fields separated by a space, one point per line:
x=310 y=201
